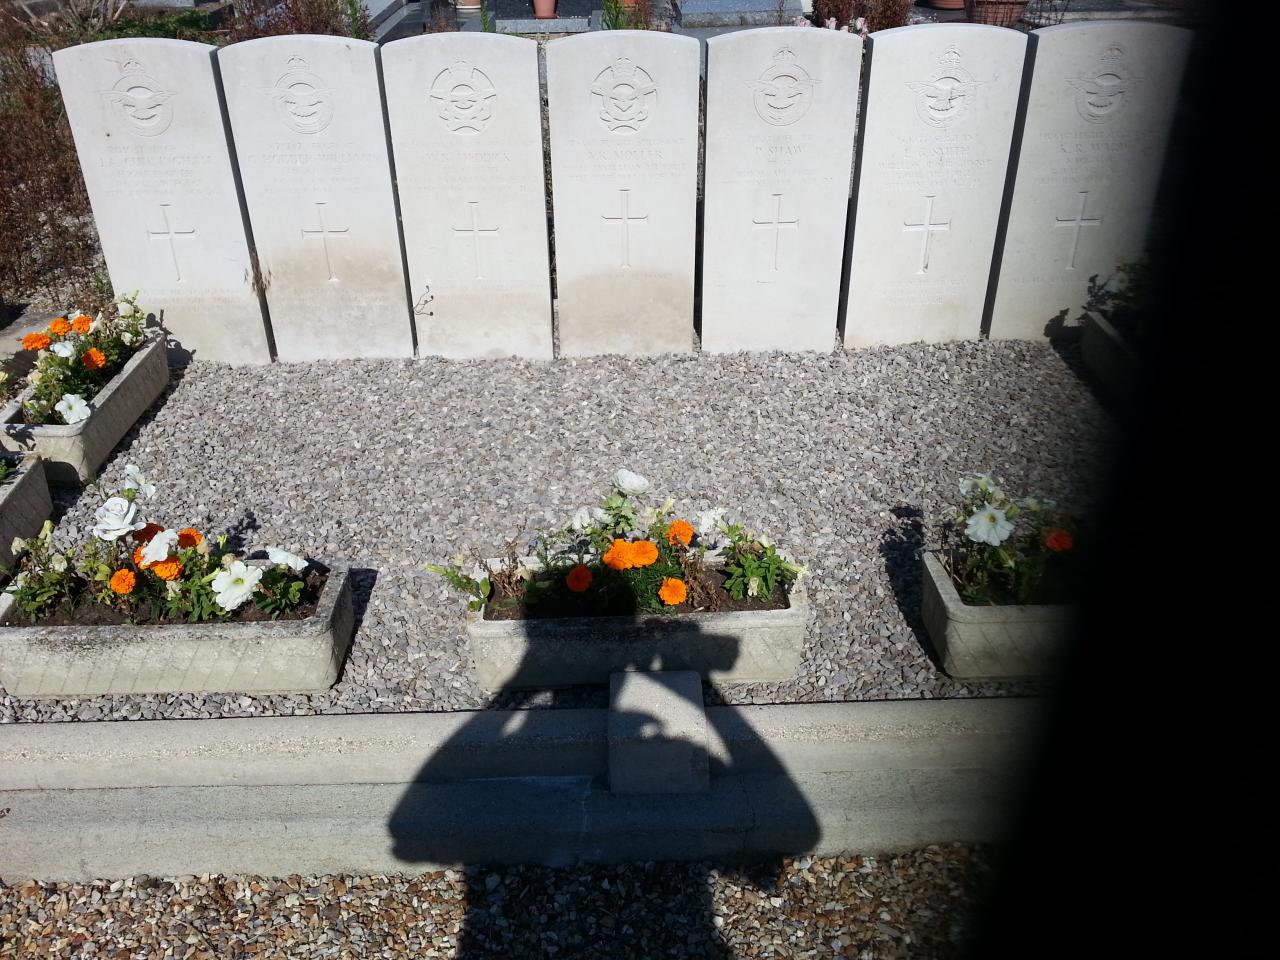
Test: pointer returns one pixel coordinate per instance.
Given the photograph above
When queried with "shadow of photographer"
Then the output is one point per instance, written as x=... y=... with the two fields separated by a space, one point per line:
x=519 y=822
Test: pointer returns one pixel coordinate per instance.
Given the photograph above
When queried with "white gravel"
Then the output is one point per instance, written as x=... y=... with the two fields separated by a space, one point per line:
x=390 y=464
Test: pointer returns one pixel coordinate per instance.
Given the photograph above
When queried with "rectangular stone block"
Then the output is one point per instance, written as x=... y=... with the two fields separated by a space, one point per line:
x=781 y=108
x=147 y=119
x=1099 y=110
x=940 y=108
x=25 y=503
x=306 y=112
x=466 y=128
x=657 y=733
x=624 y=155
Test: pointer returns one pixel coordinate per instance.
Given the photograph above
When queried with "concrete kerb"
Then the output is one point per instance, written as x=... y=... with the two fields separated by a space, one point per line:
x=282 y=795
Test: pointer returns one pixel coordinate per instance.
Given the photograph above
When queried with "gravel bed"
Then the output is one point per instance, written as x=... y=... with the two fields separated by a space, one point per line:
x=919 y=904
x=390 y=464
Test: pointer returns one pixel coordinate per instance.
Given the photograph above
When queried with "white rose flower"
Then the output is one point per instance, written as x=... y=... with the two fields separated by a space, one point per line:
x=232 y=586
x=17 y=546
x=116 y=518
x=988 y=525
x=59 y=563
x=129 y=338
x=284 y=558
x=709 y=523
x=160 y=546
x=63 y=349
x=73 y=408
x=581 y=519
x=135 y=479
x=630 y=483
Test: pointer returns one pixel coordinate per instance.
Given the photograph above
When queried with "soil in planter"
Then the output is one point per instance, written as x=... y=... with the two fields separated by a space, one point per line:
x=706 y=594
x=88 y=614
x=1056 y=587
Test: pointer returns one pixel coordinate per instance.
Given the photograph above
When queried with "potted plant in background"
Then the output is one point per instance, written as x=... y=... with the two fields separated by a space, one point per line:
x=544 y=9
x=994 y=13
x=93 y=379
x=627 y=585
x=998 y=593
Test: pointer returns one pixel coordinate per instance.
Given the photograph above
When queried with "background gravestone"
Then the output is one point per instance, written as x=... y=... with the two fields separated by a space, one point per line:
x=466 y=129
x=781 y=107
x=306 y=112
x=1098 y=116
x=624 y=151
x=148 y=127
x=940 y=109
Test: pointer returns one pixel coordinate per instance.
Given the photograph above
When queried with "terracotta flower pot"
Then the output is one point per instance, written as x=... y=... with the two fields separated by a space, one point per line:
x=995 y=13
x=947 y=4
x=544 y=9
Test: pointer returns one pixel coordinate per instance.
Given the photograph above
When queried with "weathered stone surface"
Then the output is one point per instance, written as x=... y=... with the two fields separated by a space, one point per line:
x=273 y=656
x=992 y=642
x=780 y=134
x=24 y=503
x=306 y=112
x=73 y=452
x=1099 y=111
x=466 y=129
x=941 y=104
x=147 y=121
x=741 y=646
x=624 y=153
x=657 y=733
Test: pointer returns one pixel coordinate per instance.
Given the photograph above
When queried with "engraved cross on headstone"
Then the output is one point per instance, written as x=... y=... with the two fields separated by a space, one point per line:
x=929 y=227
x=1079 y=221
x=168 y=233
x=778 y=224
x=625 y=220
x=476 y=231
x=324 y=233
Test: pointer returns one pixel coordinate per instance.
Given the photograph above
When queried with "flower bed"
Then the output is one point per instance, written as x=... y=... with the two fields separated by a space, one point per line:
x=626 y=586
x=127 y=368
x=993 y=600
x=24 y=503
x=145 y=609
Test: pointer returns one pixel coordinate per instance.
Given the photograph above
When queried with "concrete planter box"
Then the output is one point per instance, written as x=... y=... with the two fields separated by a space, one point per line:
x=1111 y=359
x=24 y=504
x=280 y=656
x=1014 y=642
x=741 y=646
x=73 y=452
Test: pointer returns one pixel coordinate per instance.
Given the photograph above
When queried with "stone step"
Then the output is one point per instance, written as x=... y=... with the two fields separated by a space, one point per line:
x=657 y=733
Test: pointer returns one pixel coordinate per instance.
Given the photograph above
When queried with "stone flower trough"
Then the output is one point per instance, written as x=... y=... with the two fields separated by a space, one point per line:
x=24 y=503
x=1013 y=642
x=739 y=646
x=271 y=656
x=73 y=452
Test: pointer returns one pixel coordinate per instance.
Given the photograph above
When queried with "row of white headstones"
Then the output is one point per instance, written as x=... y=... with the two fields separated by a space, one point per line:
x=395 y=197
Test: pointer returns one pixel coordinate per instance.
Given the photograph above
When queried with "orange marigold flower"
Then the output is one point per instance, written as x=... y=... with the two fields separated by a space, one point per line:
x=123 y=582
x=644 y=553
x=137 y=559
x=189 y=537
x=170 y=569
x=672 y=591
x=1058 y=540
x=618 y=556
x=94 y=359
x=579 y=578
x=146 y=533
x=680 y=531
x=36 y=341
x=60 y=327
x=81 y=324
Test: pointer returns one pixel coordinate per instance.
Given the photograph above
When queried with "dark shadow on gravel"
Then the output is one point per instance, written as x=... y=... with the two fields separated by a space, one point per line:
x=901 y=546
x=523 y=836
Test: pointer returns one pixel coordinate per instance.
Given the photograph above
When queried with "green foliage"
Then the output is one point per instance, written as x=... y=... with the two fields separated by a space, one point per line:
x=118 y=335
x=487 y=23
x=1124 y=300
x=40 y=583
x=613 y=15
x=477 y=589
x=279 y=591
x=753 y=566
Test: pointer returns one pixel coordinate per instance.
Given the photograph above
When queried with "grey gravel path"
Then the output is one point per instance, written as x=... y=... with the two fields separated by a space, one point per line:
x=917 y=904
x=390 y=464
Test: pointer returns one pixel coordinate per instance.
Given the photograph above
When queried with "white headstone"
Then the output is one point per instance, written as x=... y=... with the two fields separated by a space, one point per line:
x=941 y=104
x=624 y=154
x=781 y=109
x=466 y=128
x=1098 y=116
x=148 y=127
x=306 y=112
